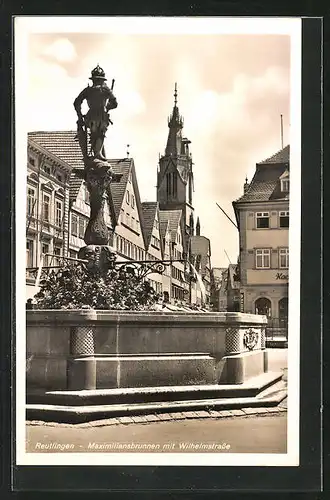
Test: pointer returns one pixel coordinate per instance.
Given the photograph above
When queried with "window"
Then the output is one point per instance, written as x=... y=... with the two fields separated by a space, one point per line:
x=73 y=254
x=171 y=184
x=45 y=250
x=81 y=227
x=31 y=200
x=262 y=258
x=58 y=213
x=137 y=225
x=156 y=224
x=45 y=207
x=57 y=253
x=74 y=224
x=262 y=220
x=47 y=169
x=127 y=219
x=284 y=258
x=285 y=185
x=32 y=161
x=284 y=219
x=127 y=196
x=155 y=242
x=59 y=177
x=133 y=201
x=29 y=253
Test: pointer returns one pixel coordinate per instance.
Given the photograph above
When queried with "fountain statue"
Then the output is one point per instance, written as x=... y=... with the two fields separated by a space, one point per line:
x=97 y=173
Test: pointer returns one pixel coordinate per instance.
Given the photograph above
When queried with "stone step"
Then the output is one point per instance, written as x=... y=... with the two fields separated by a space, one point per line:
x=82 y=406
x=251 y=388
x=79 y=414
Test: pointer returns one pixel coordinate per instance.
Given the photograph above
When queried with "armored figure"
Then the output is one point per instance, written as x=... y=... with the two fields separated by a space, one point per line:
x=100 y=100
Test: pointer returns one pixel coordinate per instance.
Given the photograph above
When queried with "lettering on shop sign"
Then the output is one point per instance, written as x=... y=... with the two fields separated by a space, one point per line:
x=281 y=276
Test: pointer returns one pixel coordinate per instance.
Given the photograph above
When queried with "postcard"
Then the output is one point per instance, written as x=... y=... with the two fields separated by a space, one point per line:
x=157 y=175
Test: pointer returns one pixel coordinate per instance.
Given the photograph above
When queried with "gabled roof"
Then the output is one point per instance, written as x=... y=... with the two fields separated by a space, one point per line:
x=265 y=184
x=149 y=209
x=173 y=217
x=163 y=225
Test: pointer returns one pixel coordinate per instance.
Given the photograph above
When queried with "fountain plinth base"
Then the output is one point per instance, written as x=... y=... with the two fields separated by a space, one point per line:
x=89 y=349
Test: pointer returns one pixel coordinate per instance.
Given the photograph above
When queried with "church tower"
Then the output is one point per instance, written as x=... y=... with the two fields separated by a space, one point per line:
x=175 y=175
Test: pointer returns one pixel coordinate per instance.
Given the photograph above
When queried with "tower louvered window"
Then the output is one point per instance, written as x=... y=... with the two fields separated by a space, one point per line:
x=171 y=184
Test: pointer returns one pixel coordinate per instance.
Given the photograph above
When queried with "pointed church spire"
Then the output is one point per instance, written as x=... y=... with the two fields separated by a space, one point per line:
x=198 y=227
x=175 y=124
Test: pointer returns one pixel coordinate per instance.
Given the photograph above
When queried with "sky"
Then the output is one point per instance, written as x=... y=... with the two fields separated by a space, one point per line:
x=232 y=90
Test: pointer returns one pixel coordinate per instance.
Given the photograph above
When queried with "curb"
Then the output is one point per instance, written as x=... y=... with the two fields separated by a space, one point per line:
x=165 y=417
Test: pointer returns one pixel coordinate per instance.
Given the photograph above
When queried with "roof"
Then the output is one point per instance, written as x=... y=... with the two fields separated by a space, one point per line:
x=64 y=146
x=74 y=186
x=282 y=156
x=265 y=184
x=173 y=217
x=149 y=209
x=162 y=226
x=61 y=144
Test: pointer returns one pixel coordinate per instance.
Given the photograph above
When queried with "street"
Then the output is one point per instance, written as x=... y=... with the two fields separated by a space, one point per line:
x=258 y=434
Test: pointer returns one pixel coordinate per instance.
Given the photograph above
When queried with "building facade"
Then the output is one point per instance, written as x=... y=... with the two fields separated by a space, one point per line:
x=262 y=215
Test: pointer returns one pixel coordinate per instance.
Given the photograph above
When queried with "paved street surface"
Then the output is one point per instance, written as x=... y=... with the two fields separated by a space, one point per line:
x=250 y=430
x=258 y=434
x=278 y=360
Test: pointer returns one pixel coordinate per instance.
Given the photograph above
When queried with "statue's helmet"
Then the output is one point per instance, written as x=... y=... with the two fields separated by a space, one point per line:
x=98 y=73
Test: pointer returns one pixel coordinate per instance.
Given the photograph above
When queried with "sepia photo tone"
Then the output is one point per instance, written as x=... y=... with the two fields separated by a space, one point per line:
x=158 y=168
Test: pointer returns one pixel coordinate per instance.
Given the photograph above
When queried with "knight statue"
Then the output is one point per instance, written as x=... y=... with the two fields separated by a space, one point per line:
x=100 y=100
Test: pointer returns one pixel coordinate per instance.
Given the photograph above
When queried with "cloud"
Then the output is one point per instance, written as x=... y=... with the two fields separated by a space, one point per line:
x=62 y=50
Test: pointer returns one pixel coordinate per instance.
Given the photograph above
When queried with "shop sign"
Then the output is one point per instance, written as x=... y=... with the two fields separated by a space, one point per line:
x=282 y=276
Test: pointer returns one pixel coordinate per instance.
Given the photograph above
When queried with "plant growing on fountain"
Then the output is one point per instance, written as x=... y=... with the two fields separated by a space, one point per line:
x=75 y=287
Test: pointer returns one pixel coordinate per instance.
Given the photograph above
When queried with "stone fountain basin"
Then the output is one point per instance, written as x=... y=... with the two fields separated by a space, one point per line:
x=142 y=349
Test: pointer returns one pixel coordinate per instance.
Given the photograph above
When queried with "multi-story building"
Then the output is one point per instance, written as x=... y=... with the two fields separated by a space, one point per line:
x=47 y=224
x=151 y=219
x=262 y=215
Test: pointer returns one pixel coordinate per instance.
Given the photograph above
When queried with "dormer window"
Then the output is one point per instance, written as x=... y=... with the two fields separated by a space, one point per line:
x=47 y=169
x=285 y=184
x=32 y=161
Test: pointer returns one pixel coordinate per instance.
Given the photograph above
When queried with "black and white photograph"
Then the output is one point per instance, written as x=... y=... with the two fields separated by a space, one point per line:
x=158 y=299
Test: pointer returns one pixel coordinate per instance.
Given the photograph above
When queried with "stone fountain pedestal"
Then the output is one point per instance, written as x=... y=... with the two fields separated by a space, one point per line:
x=87 y=349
